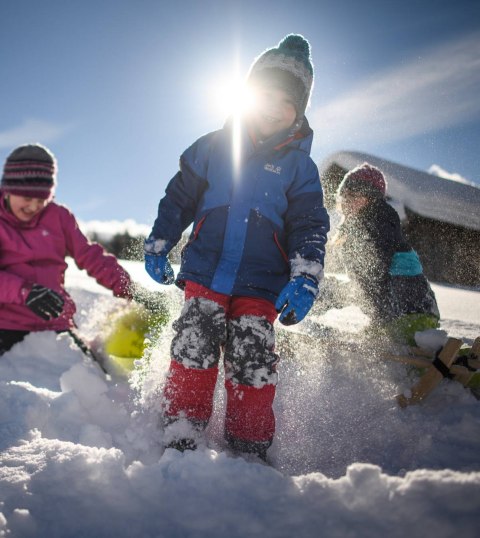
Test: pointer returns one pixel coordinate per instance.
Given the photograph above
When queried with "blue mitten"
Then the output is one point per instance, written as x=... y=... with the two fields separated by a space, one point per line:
x=158 y=267
x=296 y=299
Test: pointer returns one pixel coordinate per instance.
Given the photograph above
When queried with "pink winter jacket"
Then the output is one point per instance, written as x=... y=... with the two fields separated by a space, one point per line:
x=34 y=253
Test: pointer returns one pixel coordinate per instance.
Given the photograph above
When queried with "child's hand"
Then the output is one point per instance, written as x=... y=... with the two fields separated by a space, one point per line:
x=44 y=302
x=158 y=267
x=296 y=299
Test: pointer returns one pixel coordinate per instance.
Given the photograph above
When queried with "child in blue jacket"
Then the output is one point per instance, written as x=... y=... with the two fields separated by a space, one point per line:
x=257 y=248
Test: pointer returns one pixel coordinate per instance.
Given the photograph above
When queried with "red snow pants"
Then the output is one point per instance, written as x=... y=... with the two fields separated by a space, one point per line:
x=243 y=328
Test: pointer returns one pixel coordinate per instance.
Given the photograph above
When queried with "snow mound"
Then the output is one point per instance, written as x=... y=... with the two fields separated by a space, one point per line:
x=81 y=453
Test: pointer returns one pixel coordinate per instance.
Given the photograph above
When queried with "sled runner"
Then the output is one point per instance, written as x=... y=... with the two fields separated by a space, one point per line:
x=451 y=361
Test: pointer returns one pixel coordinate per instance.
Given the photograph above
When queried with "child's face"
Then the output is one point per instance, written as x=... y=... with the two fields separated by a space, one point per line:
x=25 y=208
x=351 y=203
x=274 y=111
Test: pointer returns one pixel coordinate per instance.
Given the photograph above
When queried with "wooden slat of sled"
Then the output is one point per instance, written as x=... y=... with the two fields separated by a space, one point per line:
x=476 y=350
x=473 y=361
x=461 y=373
x=420 y=362
x=432 y=377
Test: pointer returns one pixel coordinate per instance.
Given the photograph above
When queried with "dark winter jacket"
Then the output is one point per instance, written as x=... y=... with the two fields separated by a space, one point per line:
x=379 y=259
x=256 y=220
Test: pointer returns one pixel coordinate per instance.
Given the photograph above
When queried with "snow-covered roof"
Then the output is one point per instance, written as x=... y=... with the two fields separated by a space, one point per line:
x=425 y=194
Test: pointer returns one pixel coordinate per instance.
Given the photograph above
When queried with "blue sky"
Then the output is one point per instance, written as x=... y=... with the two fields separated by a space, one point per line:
x=119 y=88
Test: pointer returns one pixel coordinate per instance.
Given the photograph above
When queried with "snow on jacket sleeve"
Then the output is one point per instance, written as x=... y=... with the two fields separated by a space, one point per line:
x=100 y=265
x=307 y=223
x=176 y=210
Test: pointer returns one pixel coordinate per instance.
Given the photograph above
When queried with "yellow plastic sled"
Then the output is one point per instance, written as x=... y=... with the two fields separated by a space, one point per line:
x=128 y=334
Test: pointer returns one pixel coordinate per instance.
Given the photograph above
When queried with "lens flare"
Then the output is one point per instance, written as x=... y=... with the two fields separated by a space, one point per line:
x=232 y=97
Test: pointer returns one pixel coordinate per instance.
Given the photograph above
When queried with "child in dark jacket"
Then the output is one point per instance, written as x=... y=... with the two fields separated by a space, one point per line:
x=254 y=197
x=386 y=273
x=36 y=235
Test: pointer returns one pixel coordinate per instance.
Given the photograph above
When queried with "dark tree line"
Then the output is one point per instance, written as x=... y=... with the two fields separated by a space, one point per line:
x=127 y=247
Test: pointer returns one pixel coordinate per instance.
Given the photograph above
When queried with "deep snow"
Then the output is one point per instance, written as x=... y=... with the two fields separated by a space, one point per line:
x=80 y=455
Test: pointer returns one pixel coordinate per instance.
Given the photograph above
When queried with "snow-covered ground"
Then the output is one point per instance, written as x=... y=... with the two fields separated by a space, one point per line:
x=80 y=454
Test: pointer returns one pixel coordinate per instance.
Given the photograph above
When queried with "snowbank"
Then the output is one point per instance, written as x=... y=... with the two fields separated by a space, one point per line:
x=80 y=454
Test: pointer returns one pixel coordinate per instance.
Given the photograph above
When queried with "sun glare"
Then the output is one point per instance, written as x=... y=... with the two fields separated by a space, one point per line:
x=231 y=97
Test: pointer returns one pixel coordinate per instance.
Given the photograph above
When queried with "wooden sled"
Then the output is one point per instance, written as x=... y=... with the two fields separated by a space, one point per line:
x=452 y=361
x=448 y=362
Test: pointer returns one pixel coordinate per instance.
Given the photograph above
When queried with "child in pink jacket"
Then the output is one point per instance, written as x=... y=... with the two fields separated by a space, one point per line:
x=36 y=235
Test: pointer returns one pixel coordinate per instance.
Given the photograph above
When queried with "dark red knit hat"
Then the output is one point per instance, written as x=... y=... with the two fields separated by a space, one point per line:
x=30 y=171
x=364 y=179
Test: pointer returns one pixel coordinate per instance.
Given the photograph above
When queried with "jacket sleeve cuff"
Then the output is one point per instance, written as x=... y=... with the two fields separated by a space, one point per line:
x=25 y=290
x=124 y=288
x=303 y=267
x=157 y=247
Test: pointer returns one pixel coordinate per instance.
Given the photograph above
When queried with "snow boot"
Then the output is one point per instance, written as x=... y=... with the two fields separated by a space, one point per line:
x=256 y=448
x=183 y=434
x=182 y=444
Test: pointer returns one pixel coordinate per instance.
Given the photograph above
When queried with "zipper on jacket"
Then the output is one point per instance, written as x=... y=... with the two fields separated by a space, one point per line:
x=196 y=231
x=283 y=253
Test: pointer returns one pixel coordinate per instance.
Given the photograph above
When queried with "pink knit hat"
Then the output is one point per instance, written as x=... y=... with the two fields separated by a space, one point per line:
x=30 y=171
x=364 y=179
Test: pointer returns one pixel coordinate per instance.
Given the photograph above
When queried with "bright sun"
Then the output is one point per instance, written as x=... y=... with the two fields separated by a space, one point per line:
x=231 y=97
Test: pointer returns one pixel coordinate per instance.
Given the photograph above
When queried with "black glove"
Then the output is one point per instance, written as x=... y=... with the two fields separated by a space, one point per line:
x=44 y=302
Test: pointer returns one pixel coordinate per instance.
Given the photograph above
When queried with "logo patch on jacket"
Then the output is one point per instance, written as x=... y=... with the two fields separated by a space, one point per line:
x=272 y=168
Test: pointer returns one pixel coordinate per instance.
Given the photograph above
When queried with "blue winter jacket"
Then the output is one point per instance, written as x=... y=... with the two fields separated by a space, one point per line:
x=256 y=220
